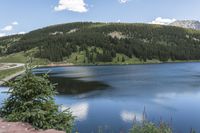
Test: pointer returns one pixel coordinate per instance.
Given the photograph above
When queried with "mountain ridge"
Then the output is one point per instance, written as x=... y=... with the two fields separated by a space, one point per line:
x=191 y=24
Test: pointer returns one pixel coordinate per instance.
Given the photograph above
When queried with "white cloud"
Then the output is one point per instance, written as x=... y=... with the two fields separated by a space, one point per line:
x=2 y=34
x=71 y=5
x=22 y=32
x=123 y=1
x=163 y=21
x=118 y=21
x=15 y=23
x=7 y=28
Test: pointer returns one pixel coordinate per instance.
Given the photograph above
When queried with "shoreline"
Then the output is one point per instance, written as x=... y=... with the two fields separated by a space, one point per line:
x=110 y=64
x=11 y=77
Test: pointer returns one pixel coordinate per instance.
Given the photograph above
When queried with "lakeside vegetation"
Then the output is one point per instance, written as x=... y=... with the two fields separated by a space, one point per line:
x=104 y=43
x=148 y=127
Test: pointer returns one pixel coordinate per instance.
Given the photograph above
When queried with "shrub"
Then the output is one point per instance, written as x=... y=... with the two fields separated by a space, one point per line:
x=31 y=100
x=148 y=127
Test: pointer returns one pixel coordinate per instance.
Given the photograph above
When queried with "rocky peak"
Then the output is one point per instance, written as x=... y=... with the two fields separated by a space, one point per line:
x=191 y=24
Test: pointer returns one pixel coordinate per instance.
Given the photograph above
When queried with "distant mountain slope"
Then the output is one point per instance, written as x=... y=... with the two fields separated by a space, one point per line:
x=106 y=42
x=192 y=24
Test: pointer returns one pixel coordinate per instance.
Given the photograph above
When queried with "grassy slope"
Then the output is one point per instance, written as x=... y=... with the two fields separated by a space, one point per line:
x=79 y=58
x=6 y=73
x=22 y=57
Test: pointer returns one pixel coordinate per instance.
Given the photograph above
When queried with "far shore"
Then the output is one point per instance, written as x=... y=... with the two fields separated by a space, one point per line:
x=62 y=64
x=114 y=64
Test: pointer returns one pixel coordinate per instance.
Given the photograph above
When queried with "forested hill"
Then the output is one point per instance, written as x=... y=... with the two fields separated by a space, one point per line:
x=106 y=42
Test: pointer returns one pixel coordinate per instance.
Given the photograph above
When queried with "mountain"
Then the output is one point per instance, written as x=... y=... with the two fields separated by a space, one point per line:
x=191 y=24
x=97 y=43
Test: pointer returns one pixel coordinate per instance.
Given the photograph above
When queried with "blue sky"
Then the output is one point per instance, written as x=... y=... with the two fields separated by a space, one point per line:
x=18 y=16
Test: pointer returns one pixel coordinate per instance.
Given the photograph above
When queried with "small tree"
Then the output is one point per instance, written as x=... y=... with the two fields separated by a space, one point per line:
x=31 y=99
x=123 y=59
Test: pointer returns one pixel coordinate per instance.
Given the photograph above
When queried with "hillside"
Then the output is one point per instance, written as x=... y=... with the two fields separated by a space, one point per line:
x=88 y=43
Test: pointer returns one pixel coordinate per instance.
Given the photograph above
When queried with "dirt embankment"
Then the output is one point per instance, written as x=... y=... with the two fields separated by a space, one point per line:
x=18 y=127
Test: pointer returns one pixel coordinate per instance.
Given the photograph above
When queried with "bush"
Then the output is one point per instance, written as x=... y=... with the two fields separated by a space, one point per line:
x=31 y=100
x=147 y=127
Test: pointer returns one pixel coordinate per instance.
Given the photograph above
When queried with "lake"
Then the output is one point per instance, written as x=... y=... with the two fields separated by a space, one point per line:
x=109 y=98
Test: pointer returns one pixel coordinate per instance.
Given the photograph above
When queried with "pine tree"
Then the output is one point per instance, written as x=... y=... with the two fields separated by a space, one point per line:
x=31 y=100
x=123 y=59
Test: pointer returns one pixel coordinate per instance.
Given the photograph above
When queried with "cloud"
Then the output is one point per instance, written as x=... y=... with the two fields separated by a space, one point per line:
x=163 y=21
x=123 y=1
x=7 y=28
x=71 y=5
x=22 y=32
x=2 y=34
x=15 y=23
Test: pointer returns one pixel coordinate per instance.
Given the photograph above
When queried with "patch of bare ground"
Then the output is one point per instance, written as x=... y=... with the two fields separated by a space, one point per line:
x=19 y=127
x=117 y=35
x=60 y=64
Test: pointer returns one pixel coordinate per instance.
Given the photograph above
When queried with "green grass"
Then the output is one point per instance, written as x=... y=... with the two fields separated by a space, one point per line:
x=119 y=60
x=22 y=57
x=14 y=58
x=76 y=58
x=9 y=72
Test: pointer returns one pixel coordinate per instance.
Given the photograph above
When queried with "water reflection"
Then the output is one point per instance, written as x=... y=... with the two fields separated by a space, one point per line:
x=3 y=95
x=75 y=86
x=128 y=116
x=79 y=110
x=71 y=85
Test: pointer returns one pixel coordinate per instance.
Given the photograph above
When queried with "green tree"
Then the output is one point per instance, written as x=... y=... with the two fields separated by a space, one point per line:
x=123 y=59
x=31 y=100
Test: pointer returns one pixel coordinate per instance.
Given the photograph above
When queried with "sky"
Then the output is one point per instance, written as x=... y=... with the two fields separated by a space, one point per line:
x=22 y=16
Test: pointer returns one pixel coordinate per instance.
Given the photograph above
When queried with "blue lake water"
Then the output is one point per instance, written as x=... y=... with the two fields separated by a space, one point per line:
x=168 y=92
